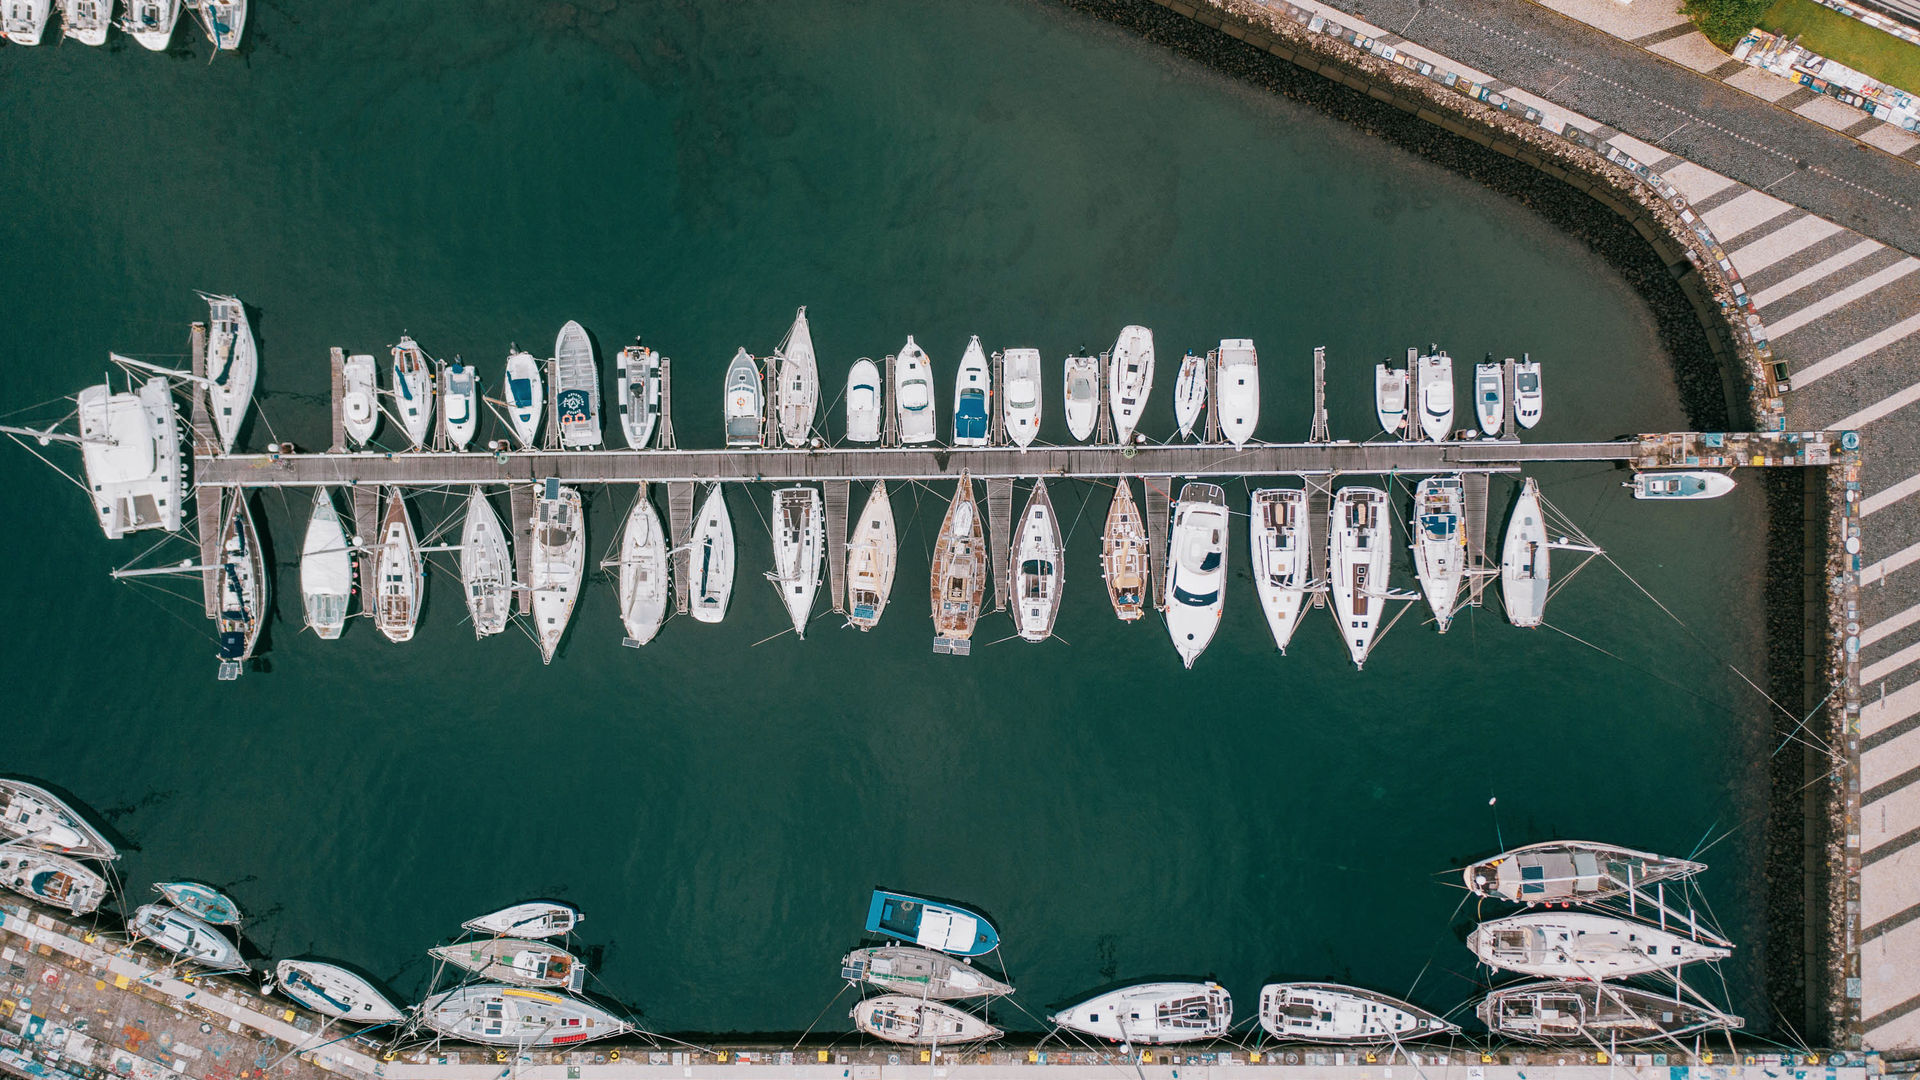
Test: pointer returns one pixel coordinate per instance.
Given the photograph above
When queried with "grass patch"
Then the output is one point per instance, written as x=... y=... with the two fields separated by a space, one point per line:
x=1726 y=21
x=1847 y=40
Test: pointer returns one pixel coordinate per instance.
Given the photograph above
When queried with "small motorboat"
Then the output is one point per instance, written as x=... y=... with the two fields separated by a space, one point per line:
x=1153 y=1014
x=516 y=961
x=931 y=924
x=871 y=557
x=1236 y=389
x=1131 y=379
x=1590 y=1013
x=242 y=589
x=1081 y=393
x=1525 y=566
x=130 y=452
x=520 y=1017
x=86 y=21
x=233 y=365
x=203 y=902
x=1332 y=1013
x=412 y=389
x=1440 y=543
x=399 y=574
x=913 y=394
x=1527 y=393
x=1584 y=945
x=559 y=560
x=1190 y=392
x=459 y=403
x=326 y=569
x=1039 y=571
x=360 y=398
x=1278 y=538
x=644 y=592
x=332 y=990
x=637 y=391
x=1672 y=486
x=972 y=396
x=486 y=566
x=526 y=397
x=1196 y=569
x=1572 y=872
x=799 y=538
x=185 y=936
x=53 y=879
x=151 y=23
x=1435 y=393
x=1359 y=565
x=25 y=21
x=225 y=21
x=864 y=402
x=960 y=570
x=1490 y=396
x=535 y=919
x=1390 y=398
x=919 y=973
x=1020 y=395
x=30 y=814
x=1125 y=553
x=797 y=393
x=710 y=559
x=744 y=408
x=902 y=1018
x=576 y=388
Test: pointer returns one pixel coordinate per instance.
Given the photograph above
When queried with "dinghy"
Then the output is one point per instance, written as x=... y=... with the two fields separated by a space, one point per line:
x=1020 y=395
x=526 y=397
x=1279 y=535
x=486 y=566
x=332 y=990
x=919 y=973
x=900 y=1018
x=797 y=394
x=931 y=924
x=1152 y=1014
x=130 y=451
x=1390 y=398
x=399 y=575
x=1440 y=543
x=1196 y=569
x=559 y=560
x=459 y=404
x=186 y=937
x=799 y=536
x=233 y=365
x=516 y=961
x=1359 y=566
x=1528 y=395
x=1131 y=379
x=1435 y=393
x=52 y=879
x=1490 y=396
x=1671 y=486
x=1332 y=1013
x=498 y=1015
x=534 y=919
x=203 y=902
x=243 y=589
x=972 y=396
x=412 y=389
x=960 y=569
x=913 y=394
x=1081 y=392
x=710 y=559
x=863 y=402
x=576 y=388
x=1237 y=389
x=224 y=20
x=1039 y=572
x=360 y=398
x=1572 y=872
x=1190 y=392
x=86 y=21
x=871 y=557
x=326 y=569
x=743 y=408
x=33 y=815
x=1525 y=569
x=637 y=392
x=25 y=21
x=644 y=595
x=1125 y=560
x=1584 y=945
x=151 y=22
x=1589 y=1013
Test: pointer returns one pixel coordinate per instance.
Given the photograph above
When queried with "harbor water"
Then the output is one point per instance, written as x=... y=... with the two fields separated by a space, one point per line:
x=721 y=801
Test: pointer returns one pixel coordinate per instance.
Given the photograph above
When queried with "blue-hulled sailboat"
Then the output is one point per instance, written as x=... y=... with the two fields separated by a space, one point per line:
x=930 y=924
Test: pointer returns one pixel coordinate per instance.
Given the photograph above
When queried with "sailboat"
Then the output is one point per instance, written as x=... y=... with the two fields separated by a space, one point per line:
x=400 y=578
x=1435 y=386
x=743 y=408
x=637 y=387
x=1020 y=395
x=242 y=590
x=184 y=936
x=1124 y=554
x=559 y=560
x=360 y=398
x=25 y=21
x=919 y=973
x=1279 y=535
x=1525 y=568
x=33 y=815
x=203 y=902
x=1081 y=393
x=1683 y=485
x=526 y=396
x=1572 y=872
x=1131 y=379
x=643 y=572
x=1196 y=569
x=1359 y=566
x=1490 y=396
x=903 y=1018
x=486 y=566
x=1528 y=394
x=332 y=990
x=151 y=22
x=459 y=403
x=1152 y=1014
x=519 y=1017
x=52 y=879
x=799 y=535
x=533 y=919
x=960 y=570
x=1039 y=569
x=913 y=394
x=711 y=559
x=1590 y=1013
x=576 y=388
x=232 y=366
x=225 y=21
x=871 y=557
x=1190 y=392
x=1585 y=945
x=516 y=961
x=412 y=389
x=326 y=569
x=972 y=396
x=1390 y=398
x=863 y=402
x=1237 y=389
x=1333 y=1013
x=797 y=396
x=1440 y=543
x=86 y=21
x=130 y=451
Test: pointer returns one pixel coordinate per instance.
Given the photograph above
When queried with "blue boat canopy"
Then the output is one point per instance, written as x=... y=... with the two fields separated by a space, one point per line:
x=945 y=927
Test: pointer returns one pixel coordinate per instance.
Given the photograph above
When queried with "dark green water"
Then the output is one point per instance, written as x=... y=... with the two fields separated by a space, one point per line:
x=480 y=173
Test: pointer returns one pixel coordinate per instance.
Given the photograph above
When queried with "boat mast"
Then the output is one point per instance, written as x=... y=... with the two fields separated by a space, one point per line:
x=171 y=373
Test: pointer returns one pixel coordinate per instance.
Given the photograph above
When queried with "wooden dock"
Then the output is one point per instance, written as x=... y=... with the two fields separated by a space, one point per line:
x=1213 y=398
x=1319 y=512
x=1159 y=508
x=663 y=428
x=337 y=361
x=1474 y=509
x=1322 y=432
x=836 y=493
x=999 y=529
x=209 y=508
x=680 y=520
x=520 y=505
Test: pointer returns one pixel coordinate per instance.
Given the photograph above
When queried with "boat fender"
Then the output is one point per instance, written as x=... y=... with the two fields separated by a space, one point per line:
x=613 y=1055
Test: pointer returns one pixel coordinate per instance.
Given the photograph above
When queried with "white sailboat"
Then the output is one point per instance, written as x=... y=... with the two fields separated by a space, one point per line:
x=1525 y=567
x=1020 y=395
x=1081 y=393
x=1590 y=1013
x=1126 y=555
x=486 y=566
x=243 y=589
x=536 y=919
x=130 y=451
x=224 y=20
x=1279 y=536
x=360 y=398
x=499 y=1015
x=920 y=973
x=1190 y=392
x=1333 y=1013
x=52 y=879
x=972 y=396
x=526 y=396
x=743 y=408
x=150 y=22
x=399 y=575
x=517 y=961
x=710 y=560
x=326 y=569
x=799 y=536
x=33 y=815
x=559 y=560
x=460 y=403
x=233 y=365
x=1390 y=398
x=637 y=389
x=1196 y=569
x=1566 y=872
x=1358 y=566
x=1585 y=945
x=25 y=21
x=917 y=1021
x=86 y=21
x=863 y=402
x=1435 y=386
x=1131 y=379
x=797 y=396
x=1490 y=396
x=913 y=394
x=576 y=388
x=1685 y=485
x=186 y=937
x=1237 y=389
x=960 y=572
x=412 y=389
x=871 y=557
x=1440 y=543
x=1152 y=1014
x=644 y=594
x=1528 y=394
x=332 y=990
x=1039 y=567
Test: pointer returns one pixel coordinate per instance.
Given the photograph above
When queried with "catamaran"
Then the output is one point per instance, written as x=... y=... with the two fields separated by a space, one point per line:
x=526 y=396
x=243 y=585
x=184 y=936
x=332 y=990
x=1236 y=389
x=459 y=403
x=518 y=1017
x=1153 y=1014
x=1131 y=379
x=902 y=1018
x=52 y=879
x=799 y=536
x=233 y=365
x=203 y=902
x=863 y=402
x=637 y=392
x=516 y=961
x=797 y=394
x=1124 y=554
x=1190 y=392
x=326 y=569
x=913 y=394
x=1196 y=569
x=1020 y=395
x=151 y=22
x=743 y=407
x=972 y=396
x=399 y=576
x=1525 y=568
x=644 y=594
x=1390 y=398
x=960 y=570
x=86 y=21
x=576 y=388
x=1039 y=570
x=486 y=566
x=1440 y=543
x=1279 y=535
x=224 y=21
x=130 y=449
x=871 y=557
x=710 y=559
x=559 y=560
x=1435 y=393
x=360 y=398
x=1684 y=485
x=1333 y=1013
x=1359 y=566
x=1584 y=945
x=931 y=924
x=1572 y=872
x=919 y=973
x=1589 y=1013
x=25 y=21
x=533 y=919
x=412 y=389
x=1490 y=396
x=1081 y=392
x=1528 y=395
x=31 y=814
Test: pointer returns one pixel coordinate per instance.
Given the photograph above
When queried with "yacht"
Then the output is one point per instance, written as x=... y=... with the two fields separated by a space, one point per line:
x=1152 y=1014
x=1039 y=572
x=960 y=569
x=1490 y=396
x=1333 y=1013
x=644 y=592
x=535 y=919
x=24 y=22
x=86 y=21
x=1279 y=536
x=1590 y=1013
x=1020 y=395
x=710 y=559
x=931 y=924
x=1196 y=569
x=224 y=20
x=871 y=557
x=1584 y=945
x=559 y=560
x=1131 y=379
x=360 y=398
x=486 y=566
x=972 y=396
x=744 y=408
x=1390 y=398
x=1125 y=554
x=1359 y=565
x=522 y=1018
x=1562 y=872
x=1527 y=392
x=1525 y=568
x=863 y=402
x=326 y=569
x=1434 y=386
x=919 y=973
x=797 y=394
x=799 y=535
x=1440 y=543
x=1669 y=486
x=52 y=879
x=399 y=575
x=332 y=990
x=1236 y=390
x=913 y=394
x=576 y=388
x=412 y=389
x=243 y=586
x=1190 y=392
x=203 y=902
x=637 y=388
x=31 y=814
x=459 y=403
x=911 y=1019
x=516 y=961
x=150 y=22
x=233 y=365
x=526 y=397
x=130 y=451
x=1081 y=392
x=184 y=936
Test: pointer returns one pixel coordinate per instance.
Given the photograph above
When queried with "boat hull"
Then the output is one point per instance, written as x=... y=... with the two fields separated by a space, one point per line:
x=1584 y=945
x=1153 y=1014
x=52 y=879
x=1589 y=1013
x=412 y=391
x=913 y=394
x=960 y=570
x=1237 y=390
x=1038 y=570
x=1440 y=544
x=1525 y=569
x=899 y=1018
x=185 y=936
x=1020 y=395
x=1195 y=593
x=526 y=398
x=233 y=365
x=332 y=990
x=1190 y=393
x=798 y=398
x=536 y=919
x=1125 y=555
x=643 y=573
x=799 y=536
x=1279 y=537
x=1130 y=380
x=486 y=567
x=1490 y=397
x=1435 y=396
x=399 y=578
x=498 y=1015
x=1334 y=1013
x=872 y=556
x=31 y=813
x=1571 y=871
x=1080 y=390
x=576 y=389
x=919 y=973
x=710 y=559
x=972 y=397
x=326 y=569
x=1390 y=398
x=931 y=924
x=360 y=399
x=559 y=561
x=864 y=402
x=1358 y=564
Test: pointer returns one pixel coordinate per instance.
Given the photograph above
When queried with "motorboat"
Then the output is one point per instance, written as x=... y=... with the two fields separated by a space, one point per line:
x=30 y=814
x=972 y=396
x=1081 y=393
x=1527 y=393
x=1677 y=485
x=25 y=21
x=526 y=397
x=872 y=555
x=151 y=22
x=360 y=398
x=644 y=592
x=399 y=574
x=1525 y=567
x=1440 y=543
x=576 y=388
x=1196 y=583
x=902 y=1018
x=242 y=589
x=86 y=21
x=202 y=901
x=1020 y=395
x=1490 y=396
x=233 y=365
x=960 y=569
x=130 y=451
x=1590 y=1013
x=1125 y=554
x=637 y=392
x=797 y=393
x=919 y=973
x=710 y=559
x=332 y=990
x=864 y=402
x=1236 y=389
x=520 y=1017
x=913 y=394
x=559 y=560
x=535 y=919
x=1279 y=535
x=1585 y=945
x=1572 y=872
x=930 y=924
x=1359 y=565
x=326 y=569
x=1130 y=379
x=1190 y=392
x=1039 y=570
x=412 y=389
x=186 y=937
x=799 y=537
x=1152 y=1014
x=459 y=403
x=53 y=879
x=1434 y=389
x=1333 y=1013
x=517 y=961
x=486 y=566
x=224 y=21
x=1390 y=398
x=744 y=409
